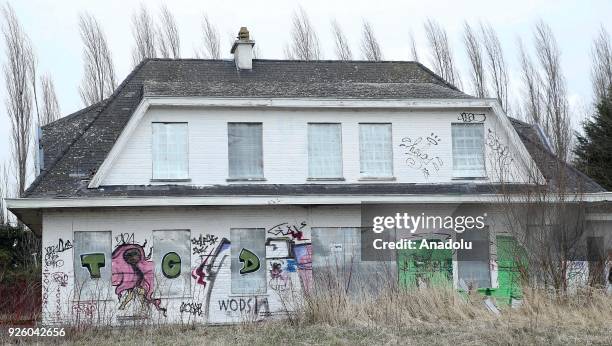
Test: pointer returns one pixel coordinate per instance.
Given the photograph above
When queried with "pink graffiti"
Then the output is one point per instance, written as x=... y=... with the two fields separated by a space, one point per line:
x=205 y=270
x=133 y=275
x=303 y=256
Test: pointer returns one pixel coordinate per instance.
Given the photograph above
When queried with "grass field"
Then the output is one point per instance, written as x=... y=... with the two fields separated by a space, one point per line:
x=432 y=317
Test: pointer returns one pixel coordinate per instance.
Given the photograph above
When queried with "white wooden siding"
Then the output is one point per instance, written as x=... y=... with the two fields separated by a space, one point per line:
x=285 y=147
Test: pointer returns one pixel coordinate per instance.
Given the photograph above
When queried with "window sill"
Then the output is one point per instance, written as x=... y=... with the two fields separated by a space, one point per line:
x=157 y=180
x=325 y=179
x=377 y=179
x=231 y=180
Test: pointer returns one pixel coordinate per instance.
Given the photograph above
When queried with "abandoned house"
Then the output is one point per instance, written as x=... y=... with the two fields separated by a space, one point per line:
x=210 y=190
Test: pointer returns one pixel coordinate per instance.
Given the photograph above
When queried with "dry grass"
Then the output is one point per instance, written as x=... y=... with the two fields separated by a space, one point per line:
x=438 y=317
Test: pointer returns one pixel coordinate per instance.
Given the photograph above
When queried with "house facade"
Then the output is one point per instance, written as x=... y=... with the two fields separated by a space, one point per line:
x=214 y=191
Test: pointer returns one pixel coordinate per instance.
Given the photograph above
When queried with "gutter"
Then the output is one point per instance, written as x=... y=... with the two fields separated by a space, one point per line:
x=249 y=200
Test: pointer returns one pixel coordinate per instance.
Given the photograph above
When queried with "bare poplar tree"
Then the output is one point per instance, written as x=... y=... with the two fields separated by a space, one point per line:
x=98 y=81
x=557 y=123
x=474 y=52
x=601 y=72
x=441 y=53
x=4 y=193
x=50 y=110
x=143 y=30
x=532 y=88
x=169 y=40
x=211 y=39
x=496 y=64
x=343 y=51
x=369 y=44
x=413 y=48
x=304 y=43
x=17 y=68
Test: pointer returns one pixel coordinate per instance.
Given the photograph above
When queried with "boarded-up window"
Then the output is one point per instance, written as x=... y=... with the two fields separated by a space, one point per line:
x=245 y=151
x=170 y=151
x=92 y=265
x=376 y=152
x=248 y=251
x=324 y=151
x=172 y=258
x=468 y=150
x=474 y=264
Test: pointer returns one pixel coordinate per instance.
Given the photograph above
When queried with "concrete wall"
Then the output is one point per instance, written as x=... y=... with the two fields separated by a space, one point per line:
x=285 y=144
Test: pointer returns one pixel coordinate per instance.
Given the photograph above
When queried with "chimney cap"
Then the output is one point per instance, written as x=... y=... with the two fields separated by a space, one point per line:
x=243 y=34
x=243 y=37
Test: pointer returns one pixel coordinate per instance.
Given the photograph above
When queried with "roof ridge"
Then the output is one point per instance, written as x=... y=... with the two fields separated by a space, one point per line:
x=109 y=99
x=436 y=76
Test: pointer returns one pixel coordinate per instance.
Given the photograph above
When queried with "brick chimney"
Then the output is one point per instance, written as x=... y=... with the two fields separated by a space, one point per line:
x=243 y=50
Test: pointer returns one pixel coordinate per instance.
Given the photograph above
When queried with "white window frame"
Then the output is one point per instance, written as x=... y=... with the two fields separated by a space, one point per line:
x=368 y=175
x=469 y=173
x=312 y=175
x=158 y=174
x=244 y=177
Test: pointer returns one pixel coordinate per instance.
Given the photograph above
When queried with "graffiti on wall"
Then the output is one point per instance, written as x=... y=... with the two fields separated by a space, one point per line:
x=133 y=276
x=469 y=117
x=84 y=309
x=202 y=243
x=52 y=253
x=288 y=263
x=280 y=271
x=419 y=154
x=124 y=238
x=258 y=306
x=249 y=260
x=193 y=308
x=498 y=148
x=285 y=229
x=211 y=263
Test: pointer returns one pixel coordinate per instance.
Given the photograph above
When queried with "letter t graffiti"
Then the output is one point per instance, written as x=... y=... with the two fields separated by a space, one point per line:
x=93 y=262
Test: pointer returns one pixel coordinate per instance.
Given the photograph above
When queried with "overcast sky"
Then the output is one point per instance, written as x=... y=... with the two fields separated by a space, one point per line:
x=53 y=28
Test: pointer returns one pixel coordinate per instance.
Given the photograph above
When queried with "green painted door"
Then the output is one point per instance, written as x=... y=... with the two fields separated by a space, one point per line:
x=425 y=267
x=510 y=259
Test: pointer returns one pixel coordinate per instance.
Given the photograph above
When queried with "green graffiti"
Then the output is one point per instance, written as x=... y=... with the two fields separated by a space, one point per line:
x=171 y=265
x=93 y=262
x=250 y=261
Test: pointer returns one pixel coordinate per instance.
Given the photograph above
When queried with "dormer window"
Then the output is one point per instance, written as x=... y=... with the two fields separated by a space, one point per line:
x=468 y=151
x=170 y=151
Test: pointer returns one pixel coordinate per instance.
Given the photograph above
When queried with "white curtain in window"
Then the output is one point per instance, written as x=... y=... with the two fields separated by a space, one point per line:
x=375 y=149
x=324 y=151
x=468 y=150
x=170 y=151
x=245 y=150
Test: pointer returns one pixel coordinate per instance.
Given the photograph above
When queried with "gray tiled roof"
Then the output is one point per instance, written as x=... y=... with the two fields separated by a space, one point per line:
x=76 y=146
